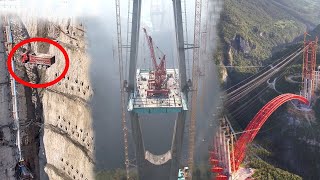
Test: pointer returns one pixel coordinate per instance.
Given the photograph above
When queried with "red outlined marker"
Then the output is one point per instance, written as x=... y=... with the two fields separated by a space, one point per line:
x=38 y=39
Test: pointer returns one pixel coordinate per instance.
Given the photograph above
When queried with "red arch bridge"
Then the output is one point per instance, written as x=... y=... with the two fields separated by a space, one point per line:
x=239 y=150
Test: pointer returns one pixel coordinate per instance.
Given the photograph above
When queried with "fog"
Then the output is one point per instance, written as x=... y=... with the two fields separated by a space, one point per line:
x=157 y=130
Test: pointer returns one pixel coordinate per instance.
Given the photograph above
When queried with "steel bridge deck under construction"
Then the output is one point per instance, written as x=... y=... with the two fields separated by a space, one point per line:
x=174 y=103
x=167 y=165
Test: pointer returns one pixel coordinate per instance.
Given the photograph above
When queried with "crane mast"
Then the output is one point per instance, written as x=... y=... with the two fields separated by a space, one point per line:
x=195 y=77
x=122 y=92
x=150 y=44
x=157 y=77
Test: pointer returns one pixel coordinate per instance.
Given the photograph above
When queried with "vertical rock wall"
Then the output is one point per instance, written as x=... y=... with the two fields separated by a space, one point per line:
x=7 y=148
x=67 y=141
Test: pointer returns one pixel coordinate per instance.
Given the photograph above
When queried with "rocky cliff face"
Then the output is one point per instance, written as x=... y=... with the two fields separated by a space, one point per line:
x=67 y=138
x=240 y=44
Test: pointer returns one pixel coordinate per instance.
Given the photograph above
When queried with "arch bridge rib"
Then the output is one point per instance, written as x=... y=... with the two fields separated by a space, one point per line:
x=256 y=123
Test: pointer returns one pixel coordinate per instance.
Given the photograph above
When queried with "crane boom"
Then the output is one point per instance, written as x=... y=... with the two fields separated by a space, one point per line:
x=150 y=44
x=156 y=84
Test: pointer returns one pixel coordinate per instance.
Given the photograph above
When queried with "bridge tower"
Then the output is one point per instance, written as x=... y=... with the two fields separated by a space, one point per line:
x=309 y=67
x=165 y=166
x=157 y=13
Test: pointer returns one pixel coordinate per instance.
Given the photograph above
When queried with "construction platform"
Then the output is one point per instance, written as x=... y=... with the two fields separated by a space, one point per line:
x=174 y=103
x=183 y=173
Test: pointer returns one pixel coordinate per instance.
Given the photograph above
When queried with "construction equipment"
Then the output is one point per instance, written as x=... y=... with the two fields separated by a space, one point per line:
x=41 y=60
x=22 y=170
x=183 y=173
x=157 y=76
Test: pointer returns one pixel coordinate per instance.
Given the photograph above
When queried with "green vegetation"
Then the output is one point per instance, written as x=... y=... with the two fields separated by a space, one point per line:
x=315 y=32
x=265 y=171
x=265 y=26
x=307 y=10
x=117 y=174
x=283 y=24
x=262 y=23
x=271 y=30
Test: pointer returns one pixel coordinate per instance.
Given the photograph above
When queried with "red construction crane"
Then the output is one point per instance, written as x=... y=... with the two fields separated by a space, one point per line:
x=157 y=77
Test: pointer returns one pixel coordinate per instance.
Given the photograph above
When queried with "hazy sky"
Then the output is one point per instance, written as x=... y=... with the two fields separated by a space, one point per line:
x=102 y=34
x=101 y=31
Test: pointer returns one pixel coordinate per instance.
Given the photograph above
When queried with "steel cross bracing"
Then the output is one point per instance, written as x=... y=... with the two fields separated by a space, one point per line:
x=122 y=93
x=205 y=27
x=128 y=41
x=185 y=28
x=195 y=77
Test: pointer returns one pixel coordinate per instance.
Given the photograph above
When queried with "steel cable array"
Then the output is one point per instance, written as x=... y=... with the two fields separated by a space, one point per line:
x=237 y=94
